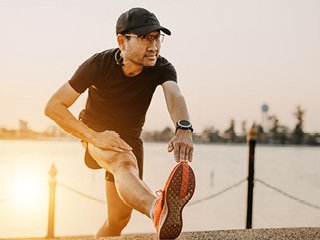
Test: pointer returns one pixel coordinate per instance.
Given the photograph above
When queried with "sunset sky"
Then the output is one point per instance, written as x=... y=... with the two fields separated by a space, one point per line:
x=231 y=56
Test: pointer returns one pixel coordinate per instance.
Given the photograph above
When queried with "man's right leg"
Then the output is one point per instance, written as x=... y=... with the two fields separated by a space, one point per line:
x=135 y=193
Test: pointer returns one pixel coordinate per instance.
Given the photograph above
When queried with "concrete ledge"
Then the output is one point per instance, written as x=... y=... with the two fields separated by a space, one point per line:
x=254 y=234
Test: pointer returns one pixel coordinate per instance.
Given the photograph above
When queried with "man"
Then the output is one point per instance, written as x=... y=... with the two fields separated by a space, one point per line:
x=120 y=85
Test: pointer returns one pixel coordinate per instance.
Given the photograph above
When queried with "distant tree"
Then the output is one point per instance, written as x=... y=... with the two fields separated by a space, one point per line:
x=261 y=135
x=274 y=130
x=230 y=134
x=165 y=134
x=210 y=134
x=24 y=130
x=283 y=134
x=298 y=132
x=244 y=127
x=167 y=130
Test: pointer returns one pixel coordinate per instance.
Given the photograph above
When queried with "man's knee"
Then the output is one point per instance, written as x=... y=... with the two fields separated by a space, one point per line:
x=111 y=160
x=125 y=160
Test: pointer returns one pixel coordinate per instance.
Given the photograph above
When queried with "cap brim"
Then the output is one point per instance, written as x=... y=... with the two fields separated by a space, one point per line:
x=148 y=29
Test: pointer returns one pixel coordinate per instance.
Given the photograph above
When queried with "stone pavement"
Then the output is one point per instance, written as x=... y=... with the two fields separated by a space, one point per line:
x=253 y=234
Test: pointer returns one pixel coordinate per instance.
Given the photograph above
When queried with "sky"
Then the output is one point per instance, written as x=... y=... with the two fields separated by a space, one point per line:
x=231 y=57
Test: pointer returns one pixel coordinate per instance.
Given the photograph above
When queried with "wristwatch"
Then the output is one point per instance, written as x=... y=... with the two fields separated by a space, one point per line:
x=184 y=124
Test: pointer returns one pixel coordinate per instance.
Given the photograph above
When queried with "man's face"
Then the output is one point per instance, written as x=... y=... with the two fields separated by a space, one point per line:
x=142 y=50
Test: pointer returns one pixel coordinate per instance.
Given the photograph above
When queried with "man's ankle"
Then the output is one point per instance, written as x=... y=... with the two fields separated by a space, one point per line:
x=152 y=209
x=104 y=231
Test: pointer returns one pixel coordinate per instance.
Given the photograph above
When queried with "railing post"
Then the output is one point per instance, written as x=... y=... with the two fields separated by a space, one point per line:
x=52 y=193
x=252 y=143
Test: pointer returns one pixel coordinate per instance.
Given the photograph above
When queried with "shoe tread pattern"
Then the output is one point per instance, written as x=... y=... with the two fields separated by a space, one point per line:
x=172 y=225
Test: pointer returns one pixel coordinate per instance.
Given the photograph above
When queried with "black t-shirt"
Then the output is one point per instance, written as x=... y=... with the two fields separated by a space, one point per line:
x=115 y=101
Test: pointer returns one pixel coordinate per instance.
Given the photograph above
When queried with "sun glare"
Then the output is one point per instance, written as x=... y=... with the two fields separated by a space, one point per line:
x=27 y=191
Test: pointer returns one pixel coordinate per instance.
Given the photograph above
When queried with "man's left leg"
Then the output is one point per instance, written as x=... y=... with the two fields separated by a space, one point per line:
x=118 y=213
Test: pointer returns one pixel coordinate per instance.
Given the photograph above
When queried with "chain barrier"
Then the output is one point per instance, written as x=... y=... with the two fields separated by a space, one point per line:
x=218 y=193
x=257 y=180
x=287 y=194
x=191 y=203
x=81 y=193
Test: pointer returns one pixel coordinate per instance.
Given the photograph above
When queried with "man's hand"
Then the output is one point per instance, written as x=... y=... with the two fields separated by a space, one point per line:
x=110 y=140
x=182 y=145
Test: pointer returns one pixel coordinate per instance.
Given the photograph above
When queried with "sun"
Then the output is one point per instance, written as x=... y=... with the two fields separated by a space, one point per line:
x=27 y=190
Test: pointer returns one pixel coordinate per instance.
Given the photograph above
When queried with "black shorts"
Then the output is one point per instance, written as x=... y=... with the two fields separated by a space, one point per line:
x=134 y=142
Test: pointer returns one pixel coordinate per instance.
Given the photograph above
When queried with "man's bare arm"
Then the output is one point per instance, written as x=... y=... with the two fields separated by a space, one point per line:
x=176 y=104
x=181 y=143
x=57 y=110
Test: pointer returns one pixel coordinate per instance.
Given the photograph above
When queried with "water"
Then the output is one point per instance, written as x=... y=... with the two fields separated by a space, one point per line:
x=24 y=167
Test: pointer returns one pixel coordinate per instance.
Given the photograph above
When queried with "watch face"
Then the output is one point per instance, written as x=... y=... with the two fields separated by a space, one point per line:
x=184 y=123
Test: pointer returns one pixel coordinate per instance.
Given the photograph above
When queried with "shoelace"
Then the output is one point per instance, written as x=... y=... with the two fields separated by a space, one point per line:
x=159 y=193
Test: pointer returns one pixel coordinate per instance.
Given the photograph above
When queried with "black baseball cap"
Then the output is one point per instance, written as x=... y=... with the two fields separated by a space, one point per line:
x=139 y=21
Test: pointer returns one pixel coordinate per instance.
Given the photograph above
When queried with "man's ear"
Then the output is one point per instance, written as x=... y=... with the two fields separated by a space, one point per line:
x=121 y=40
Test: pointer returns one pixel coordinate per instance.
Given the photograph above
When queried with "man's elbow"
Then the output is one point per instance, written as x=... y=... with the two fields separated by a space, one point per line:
x=50 y=109
x=47 y=110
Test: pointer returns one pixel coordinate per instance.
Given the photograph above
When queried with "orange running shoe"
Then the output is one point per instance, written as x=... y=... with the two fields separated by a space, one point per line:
x=176 y=194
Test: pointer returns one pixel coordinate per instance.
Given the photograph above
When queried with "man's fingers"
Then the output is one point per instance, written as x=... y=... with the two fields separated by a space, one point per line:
x=182 y=156
x=117 y=149
x=191 y=155
x=125 y=146
x=185 y=154
x=118 y=142
x=182 y=153
x=120 y=145
x=183 y=150
x=176 y=152
x=170 y=146
x=110 y=140
x=186 y=158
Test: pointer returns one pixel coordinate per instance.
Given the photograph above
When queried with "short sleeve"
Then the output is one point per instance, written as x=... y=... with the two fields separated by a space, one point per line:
x=167 y=71
x=85 y=76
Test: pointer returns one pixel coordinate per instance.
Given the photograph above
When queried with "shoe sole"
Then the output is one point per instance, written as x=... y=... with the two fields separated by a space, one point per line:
x=177 y=195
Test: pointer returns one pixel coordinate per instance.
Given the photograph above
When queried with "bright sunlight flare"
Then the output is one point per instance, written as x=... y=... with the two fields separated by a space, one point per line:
x=27 y=190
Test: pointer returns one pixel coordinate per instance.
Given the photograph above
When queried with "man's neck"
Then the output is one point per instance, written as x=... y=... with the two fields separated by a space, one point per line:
x=130 y=69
